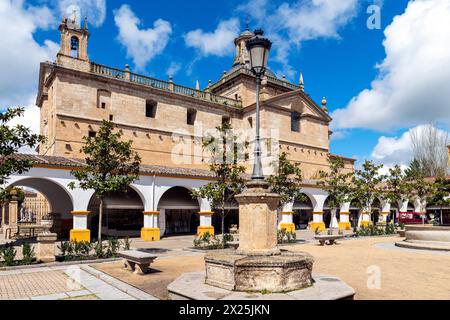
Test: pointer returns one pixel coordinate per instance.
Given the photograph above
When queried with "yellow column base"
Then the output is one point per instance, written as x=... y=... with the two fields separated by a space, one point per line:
x=345 y=226
x=289 y=227
x=320 y=225
x=204 y=229
x=78 y=235
x=150 y=234
x=365 y=224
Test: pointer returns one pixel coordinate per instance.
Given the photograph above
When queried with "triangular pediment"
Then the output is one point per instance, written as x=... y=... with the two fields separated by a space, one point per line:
x=300 y=102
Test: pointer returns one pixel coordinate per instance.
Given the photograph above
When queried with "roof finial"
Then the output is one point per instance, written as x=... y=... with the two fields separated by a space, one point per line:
x=246 y=23
x=85 y=23
x=301 y=83
x=324 y=105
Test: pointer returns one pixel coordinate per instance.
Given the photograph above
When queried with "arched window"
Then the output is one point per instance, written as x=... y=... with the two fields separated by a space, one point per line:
x=74 y=46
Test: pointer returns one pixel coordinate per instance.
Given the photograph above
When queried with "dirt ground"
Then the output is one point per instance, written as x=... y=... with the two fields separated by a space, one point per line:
x=404 y=274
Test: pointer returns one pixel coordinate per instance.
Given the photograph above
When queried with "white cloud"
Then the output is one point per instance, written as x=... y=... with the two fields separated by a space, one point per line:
x=20 y=53
x=142 y=44
x=173 y=69
x=218 y=43
x=94 y=10
x=398 y=150
x=289 y=24
x=30 y=119
x=412 y=84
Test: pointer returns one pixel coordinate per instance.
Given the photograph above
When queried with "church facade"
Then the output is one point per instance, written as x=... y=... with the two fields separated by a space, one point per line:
x=168 y=122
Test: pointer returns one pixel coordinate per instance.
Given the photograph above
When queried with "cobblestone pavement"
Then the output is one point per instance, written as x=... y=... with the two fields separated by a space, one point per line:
x=64 y=282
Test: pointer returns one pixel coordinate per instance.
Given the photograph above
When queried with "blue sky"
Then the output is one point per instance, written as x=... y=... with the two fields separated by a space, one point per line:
x=327 y=40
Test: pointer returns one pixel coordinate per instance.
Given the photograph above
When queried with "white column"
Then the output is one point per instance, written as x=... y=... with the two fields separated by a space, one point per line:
x=403 y=206
x=385 y=211
x=365 y=220
x=318 y=203
x=150 y=231
x=205 y=218
x=287 y=218
x=344 y=217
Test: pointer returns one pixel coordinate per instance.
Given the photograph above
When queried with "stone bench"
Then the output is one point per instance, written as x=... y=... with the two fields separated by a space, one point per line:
x=137 y=261
x=330 y=238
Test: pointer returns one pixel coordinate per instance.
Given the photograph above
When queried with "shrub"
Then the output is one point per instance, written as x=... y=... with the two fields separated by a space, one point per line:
x=9 y=255
x=126 y=243
x=227 y=238
x=100 y=250
x=284 y=236
x=28 y=254
x=112 y=247
x=208 y=241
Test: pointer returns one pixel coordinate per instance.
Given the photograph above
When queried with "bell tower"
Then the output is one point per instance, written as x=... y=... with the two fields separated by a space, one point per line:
x=73 y=52
x=242 y=56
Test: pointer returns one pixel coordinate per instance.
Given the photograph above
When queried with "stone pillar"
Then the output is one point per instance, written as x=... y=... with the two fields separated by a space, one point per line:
x=385 y=212
x=365 y=218
x=258 y=220
x=344 y=223
x=403 y=206
x=150 y=231
x=318 y=221
x=13 y=213
x=287 y=222
x=46 y=247
x=80 y=232
x=205 y=223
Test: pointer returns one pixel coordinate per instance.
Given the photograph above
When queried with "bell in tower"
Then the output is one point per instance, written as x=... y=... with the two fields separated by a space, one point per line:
x=242 y=56
x=74 y=43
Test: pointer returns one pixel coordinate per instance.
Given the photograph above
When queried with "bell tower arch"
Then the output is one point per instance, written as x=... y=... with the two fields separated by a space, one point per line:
x=73 y=52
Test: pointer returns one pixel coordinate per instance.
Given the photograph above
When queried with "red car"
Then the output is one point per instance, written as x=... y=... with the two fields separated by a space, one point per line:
x=411 y=218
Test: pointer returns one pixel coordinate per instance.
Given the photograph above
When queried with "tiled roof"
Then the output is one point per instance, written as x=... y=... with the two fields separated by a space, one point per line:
x=145 y=169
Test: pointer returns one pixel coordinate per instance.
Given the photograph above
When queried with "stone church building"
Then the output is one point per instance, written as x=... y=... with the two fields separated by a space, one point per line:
x=167 y=123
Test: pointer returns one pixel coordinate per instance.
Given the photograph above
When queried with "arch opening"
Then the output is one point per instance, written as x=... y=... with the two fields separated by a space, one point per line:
x=303 y=212
x=122 y=214
x=178 y=212
x=44 y=196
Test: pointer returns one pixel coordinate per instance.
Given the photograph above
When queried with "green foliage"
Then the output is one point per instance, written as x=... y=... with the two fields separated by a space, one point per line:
x=336 y=182
x=113 y=247
x=208 y=241
x=366 y=182
x=100 y=250
x=286 y=182
x=111 y=165
x=12 y=138
x=398 y=185
x=225 y=156
x=374 y=230
x=284 y=236
x=75 y=250
x=227 y=238
x=126 y=243
x=8 y=254
x=441 y=191
x=28 y=254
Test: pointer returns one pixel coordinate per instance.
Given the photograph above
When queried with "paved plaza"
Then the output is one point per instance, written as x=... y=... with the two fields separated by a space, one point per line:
x=403 y=273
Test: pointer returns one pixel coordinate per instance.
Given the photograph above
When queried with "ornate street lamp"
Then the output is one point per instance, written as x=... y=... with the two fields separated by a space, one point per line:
x=258 y=48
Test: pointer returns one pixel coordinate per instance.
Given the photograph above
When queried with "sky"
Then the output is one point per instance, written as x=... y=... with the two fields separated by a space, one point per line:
x=383 y=65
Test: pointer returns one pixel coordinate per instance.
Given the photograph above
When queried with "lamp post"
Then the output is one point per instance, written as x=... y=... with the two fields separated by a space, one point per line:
x=258 y=48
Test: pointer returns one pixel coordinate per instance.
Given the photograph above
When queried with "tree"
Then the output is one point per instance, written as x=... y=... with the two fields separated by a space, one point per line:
x=12 y=139
x=398 y=187
x=430 y=150
x=441 y=194
x=366 y=183
x=224 y=163
x=337 y=183
x=111 y=165
x=286 y=182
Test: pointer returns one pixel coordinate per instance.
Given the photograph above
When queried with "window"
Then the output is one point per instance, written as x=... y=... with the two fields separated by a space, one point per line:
x=150 y=108
x=92 y=134
x=111 y=117
x=225 y=120
x=295 y=121
x=191 y=115
x=250 y=121
x=103 y=99
x=74 y=45
x=103 y=105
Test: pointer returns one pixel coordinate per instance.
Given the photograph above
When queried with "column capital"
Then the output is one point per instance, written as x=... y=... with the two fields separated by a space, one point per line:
x=318 y=212
x=344 y=212
x=288 y=213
